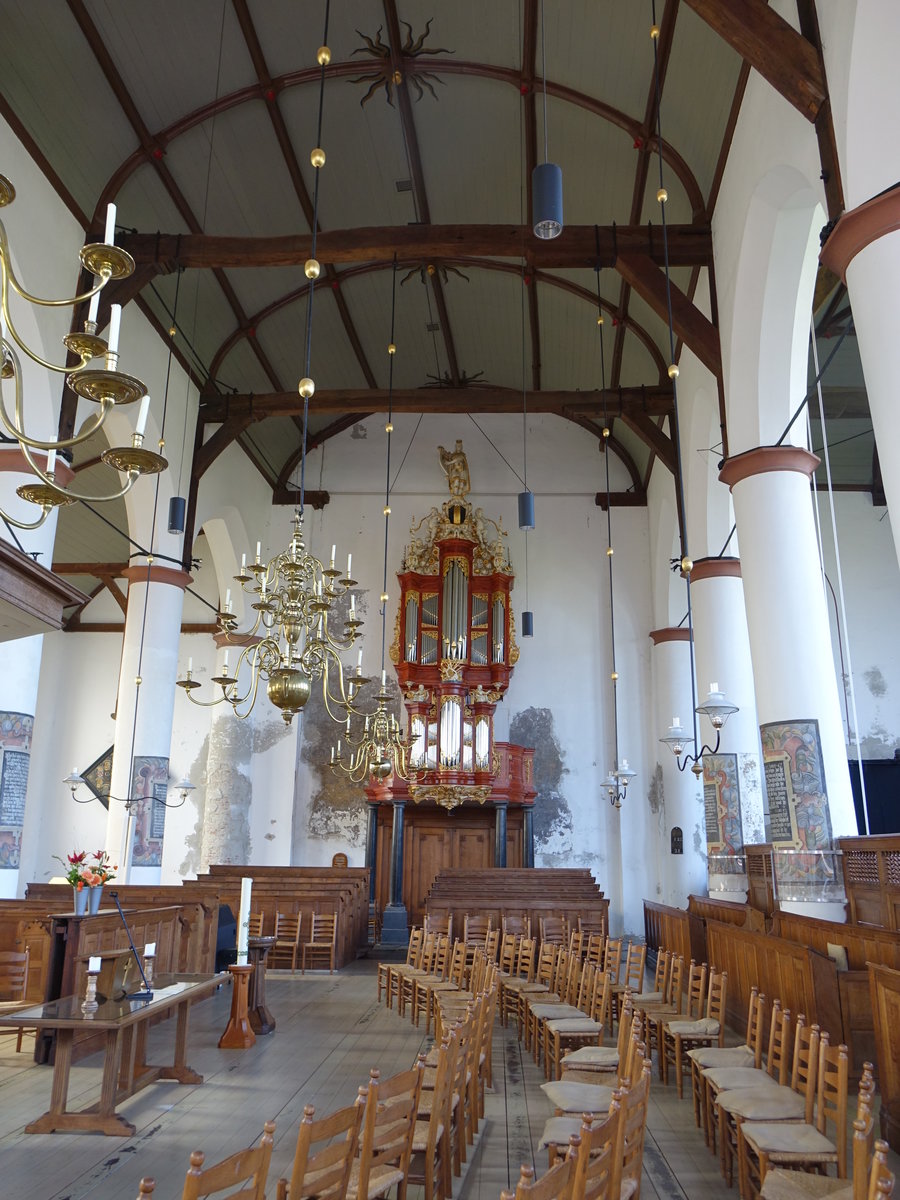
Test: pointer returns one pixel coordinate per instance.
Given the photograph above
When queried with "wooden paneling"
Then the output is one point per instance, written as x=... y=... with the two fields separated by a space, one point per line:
x=710 y=908
x=872 y=879
x=885 y=999
x=668 y=928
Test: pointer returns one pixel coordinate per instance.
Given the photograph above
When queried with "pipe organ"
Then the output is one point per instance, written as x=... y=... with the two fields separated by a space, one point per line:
x=454 y=650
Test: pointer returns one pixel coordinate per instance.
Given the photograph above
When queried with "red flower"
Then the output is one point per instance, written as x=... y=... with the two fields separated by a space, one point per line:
x=74 y=859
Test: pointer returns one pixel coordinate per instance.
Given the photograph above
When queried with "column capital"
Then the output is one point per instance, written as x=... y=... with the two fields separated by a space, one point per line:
x=671 y=633
x=859 y=228
x=151 y=573
x=764 y=459
x=13 y=459
x=715 y=568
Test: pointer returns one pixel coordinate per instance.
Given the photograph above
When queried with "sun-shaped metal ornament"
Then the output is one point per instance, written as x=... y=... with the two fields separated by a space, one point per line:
x=429 y=269
x=386 y=76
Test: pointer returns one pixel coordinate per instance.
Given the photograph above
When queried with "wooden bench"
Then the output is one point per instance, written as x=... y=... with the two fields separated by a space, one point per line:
x=303 y=890
x=729 y=912
x=676 y=929
x=863 y=944
x=514 y=891
x=885 y=1000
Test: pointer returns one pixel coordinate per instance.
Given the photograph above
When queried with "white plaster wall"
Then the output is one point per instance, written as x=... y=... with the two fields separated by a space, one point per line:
x=872 y=595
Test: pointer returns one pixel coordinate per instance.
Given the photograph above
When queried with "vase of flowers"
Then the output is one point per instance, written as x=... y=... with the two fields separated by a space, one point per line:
x=87 y=878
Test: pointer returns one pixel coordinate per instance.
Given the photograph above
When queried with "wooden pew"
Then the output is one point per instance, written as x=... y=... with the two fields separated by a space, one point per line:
x=711 y=908
x=872 y=879
x=304 y=890
x=884 y=985
x=676 y=929
x=804 y=979
x=863 y=944
x=497 y=892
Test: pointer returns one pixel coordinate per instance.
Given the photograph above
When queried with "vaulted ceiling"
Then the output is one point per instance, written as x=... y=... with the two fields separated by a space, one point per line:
x=198 y=119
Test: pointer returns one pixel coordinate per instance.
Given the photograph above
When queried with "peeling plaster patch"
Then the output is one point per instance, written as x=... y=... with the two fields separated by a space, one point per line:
x=337 y=809
x=226 y=819
x=269 y=734
x=875 y=681
x=193 y=842
x=700 y=841
x=877 y=744
x=656 y=795
x=552 y=815
x=359 y=433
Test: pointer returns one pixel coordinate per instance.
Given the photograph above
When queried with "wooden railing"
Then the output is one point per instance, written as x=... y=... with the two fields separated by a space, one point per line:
x=668 y=928
x=872 y=879
x=711 y=908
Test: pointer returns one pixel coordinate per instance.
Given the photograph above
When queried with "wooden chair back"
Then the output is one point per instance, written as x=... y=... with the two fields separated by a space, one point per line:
x=585 y=997
x=555 y=1184
x=388 y=1125
x=509 y=949
x=600 y=1001
x=664 y=959
x=626 y=1017
x=247 y=1166
x=526 y=959
x=457 y=972
x=863 y=1133
x=635 y=1101
x=756 y=1020
x=287 y=938
x=675 y=990
x=518 y=924
x=340 y=860
x=596 y=1166
x=439 y=924
x=145 y=1188
x=492 y=944
x=715 y=1000
x=555 y=930
x=635 y=960
x=594 y=950
x=322 y=939
x=612 y=959
x=13 y=975
x=696 y=993
x=805 y=1064
x=576 y=943
x=255 y=924
x=475 y=929
x=323 y=1172
x=596 y=923
x=777 y=1057
x=831 y=1096
x=546 y=964
x=881 y=1179
x=414 y=949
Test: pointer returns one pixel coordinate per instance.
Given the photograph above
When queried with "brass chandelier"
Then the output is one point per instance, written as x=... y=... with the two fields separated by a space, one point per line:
x=290 y=645
x=104 y=385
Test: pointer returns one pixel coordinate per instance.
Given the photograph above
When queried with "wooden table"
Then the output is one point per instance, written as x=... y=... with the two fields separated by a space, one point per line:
x=125 y=1068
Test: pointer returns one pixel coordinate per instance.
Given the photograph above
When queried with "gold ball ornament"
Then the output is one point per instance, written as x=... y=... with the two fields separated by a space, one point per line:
x=323 y=56
x=673 y=371
x=687 y=565
x=654 y=32
x=600 y=319
x=389 y=428
x=306 y=387
x=387 y=510
x=312 y=268
x=392 y=349
x=317 y=157
x=662 y=195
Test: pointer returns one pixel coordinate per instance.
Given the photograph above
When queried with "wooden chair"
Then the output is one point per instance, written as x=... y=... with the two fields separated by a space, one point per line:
x=570 y=1099
x=659 y=993
x=633 y=980
x=247 y=1166
x=439 y=923
x=719 y=1079
x=518 y=924
x=599 y=1063
x=255 y=924
x=323 y=1173
x=768 y=1101
x=555 y=1184
x=542 y=983
x=680 y=1036
x=385 y=1145
x=340 y=860
x=554 y=930
x=803 y=1146
x=287 y=939
x=571 y=1033
x=449 y=977
x=322 y=941
x=635 y=1101
x=593 y=925
x=430 y=1164
x=387 y=970
x=783 y=1184
x=492 y=944
x=689 y=1006
x=749 y=1054
x=14 y=987
x=145 y=1188
x=522 y=976
x=598 y=1170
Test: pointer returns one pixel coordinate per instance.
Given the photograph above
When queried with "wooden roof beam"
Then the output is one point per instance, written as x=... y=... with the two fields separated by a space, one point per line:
x=577 y=246
x=784 y=57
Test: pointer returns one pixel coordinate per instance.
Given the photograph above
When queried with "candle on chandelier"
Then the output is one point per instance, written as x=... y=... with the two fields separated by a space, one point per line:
x=109 y=233
x=94 y=307
x=190 y=665
x=676 y=721
x=333 y=552
x=258 y=549
x=243 y=563
x=624 y=764
x=225 y=664
x=383 y=678
x=359 y=659
x=352 y=602
x=349 y=561
x=51 y=462
x=713 y=687
x=332 y=755
x=142 y=415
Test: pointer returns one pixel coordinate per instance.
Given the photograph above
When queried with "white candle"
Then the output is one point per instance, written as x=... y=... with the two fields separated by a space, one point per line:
x=383 y=678
x=352 y=602
x=142 y=415
x=258 y=548
x=150 y=950
x=349 y=561
x=676 y=721
x=51 y=461
x=333 y=552
x=109 y=234
x=227 y=599
x=332 y=754
x=94 y=307
x=94 y=963
x=225 y=664
x=244 y=921
x=359 y=659
x=115 y=321
x=713 y=687
x=243 y=563
x=624 y=764
x=190 y=665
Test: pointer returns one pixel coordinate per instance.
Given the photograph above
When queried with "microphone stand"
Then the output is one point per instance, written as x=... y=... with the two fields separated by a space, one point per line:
x=145 y=993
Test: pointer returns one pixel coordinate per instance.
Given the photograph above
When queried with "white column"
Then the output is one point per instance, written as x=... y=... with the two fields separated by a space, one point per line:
x=20 y=660
x=144 y=711
x=680 y=792
x=787 y=617
x=864 y=249
x=722 y=655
